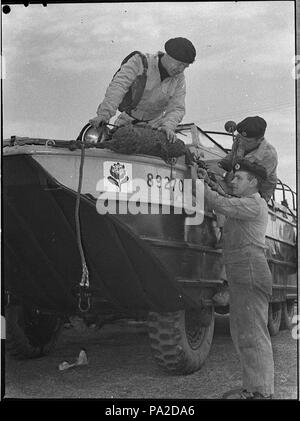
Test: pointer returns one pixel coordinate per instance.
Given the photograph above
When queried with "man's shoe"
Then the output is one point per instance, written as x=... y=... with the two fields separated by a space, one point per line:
x=257 y=395
x=240 y=393
x=237 y=393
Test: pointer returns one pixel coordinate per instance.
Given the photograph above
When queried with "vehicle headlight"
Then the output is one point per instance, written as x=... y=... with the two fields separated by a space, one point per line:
x=90 y=134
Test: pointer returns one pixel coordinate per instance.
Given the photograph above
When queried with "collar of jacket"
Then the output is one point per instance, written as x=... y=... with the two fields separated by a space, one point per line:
x=163 y=72
x=153 y=60
x=259 y=149
x=256 y=195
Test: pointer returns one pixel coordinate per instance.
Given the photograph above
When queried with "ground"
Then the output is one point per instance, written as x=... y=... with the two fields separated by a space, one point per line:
x=121 y=366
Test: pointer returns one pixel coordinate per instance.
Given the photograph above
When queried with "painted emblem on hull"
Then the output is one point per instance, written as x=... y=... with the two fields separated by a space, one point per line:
x=118 y=174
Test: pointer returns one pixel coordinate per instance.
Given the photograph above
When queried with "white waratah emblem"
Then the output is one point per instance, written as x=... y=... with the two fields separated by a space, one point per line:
x=237 y=166
x=118 y=174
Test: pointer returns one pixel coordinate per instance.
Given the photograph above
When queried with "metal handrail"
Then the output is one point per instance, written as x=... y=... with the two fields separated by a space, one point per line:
x=284 y=187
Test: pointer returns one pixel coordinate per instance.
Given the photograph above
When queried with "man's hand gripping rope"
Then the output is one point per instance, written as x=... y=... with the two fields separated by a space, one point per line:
x=200 y=170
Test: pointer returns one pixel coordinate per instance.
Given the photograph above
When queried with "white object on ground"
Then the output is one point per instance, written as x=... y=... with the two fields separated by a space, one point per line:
x=81 y=360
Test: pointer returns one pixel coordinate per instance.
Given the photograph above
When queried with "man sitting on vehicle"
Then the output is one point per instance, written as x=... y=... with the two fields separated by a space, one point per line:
x=251 y=144
x=162 y=101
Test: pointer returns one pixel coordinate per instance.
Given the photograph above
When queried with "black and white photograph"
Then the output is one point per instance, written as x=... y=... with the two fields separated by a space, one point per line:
x=149 y=203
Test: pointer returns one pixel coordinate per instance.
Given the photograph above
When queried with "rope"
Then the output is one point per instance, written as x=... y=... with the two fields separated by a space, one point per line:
x=84 y=295
x=214 y=184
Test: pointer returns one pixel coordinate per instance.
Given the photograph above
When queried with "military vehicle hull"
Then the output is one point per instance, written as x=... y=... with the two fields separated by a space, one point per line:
x=147 y=258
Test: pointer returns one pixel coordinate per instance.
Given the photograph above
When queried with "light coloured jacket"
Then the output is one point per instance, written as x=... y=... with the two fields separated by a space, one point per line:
x=246 y=221
x=244 y=247
x=264 y=155
x=163 y=102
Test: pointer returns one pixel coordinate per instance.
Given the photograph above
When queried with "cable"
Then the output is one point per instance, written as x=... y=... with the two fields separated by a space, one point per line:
x=84 y=283
x=245 y=112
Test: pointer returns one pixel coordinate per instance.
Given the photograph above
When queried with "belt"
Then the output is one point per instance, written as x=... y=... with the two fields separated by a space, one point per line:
x=136 y=120
x=234 y=255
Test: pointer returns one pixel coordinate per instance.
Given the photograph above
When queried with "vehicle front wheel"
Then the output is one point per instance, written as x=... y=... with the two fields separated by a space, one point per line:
x=30 y=334
x=181 y=341
x=274 y=318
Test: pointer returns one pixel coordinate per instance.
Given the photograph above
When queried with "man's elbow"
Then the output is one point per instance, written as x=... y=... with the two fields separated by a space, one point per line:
x=179 y=111
x=173 y=119
x=226 y=163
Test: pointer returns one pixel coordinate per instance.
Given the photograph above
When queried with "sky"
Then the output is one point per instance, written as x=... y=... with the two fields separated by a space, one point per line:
x=59 y=60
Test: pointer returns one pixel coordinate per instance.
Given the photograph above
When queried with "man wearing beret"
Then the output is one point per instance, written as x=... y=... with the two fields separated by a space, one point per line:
x=251 y=144
x=248 y=275
x=162 y=104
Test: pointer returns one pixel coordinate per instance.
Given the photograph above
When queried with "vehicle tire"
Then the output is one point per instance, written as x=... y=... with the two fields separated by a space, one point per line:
x=181 y=341
x=30 y=334
x=288 y=309
x=274 y=318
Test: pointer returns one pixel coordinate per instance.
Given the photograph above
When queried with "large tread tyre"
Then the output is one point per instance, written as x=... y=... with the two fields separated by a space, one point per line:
x=288 y=310
x=274 y=318
x=181 y=341
x=28 y=334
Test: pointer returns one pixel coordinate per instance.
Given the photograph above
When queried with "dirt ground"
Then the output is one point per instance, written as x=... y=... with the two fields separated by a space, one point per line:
x=121 y=366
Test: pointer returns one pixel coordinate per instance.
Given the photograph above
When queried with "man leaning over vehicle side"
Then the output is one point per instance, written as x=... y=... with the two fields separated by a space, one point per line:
x=248 y=275
x=162 y=104
x=251 y=144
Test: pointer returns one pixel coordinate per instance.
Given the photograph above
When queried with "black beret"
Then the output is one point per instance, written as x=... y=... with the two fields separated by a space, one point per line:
x=251 y=167
x=181 y=49
x=252 y=127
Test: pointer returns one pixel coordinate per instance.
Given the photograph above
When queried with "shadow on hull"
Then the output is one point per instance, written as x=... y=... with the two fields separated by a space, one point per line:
x=42 y=264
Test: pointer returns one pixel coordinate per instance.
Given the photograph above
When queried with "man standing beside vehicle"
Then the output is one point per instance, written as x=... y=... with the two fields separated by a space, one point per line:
x=248 y=275
x=161 y=101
